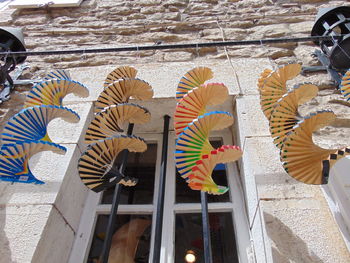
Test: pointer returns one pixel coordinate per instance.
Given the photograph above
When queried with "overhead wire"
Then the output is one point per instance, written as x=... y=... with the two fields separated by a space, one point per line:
x=170 y=46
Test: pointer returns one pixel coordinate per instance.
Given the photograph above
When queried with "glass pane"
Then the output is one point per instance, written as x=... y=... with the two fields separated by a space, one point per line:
x=189 y=238
x=143 y=167
x=184 y=194
x=130 y=241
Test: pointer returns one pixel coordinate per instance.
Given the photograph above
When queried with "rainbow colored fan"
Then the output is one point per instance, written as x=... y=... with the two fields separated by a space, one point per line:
x=193 y=142
x=201 y=176
x=274 y=86
x=110 y=121
x=302 y=159
x=120 y=92
x=96 y=165
x=195 y=102
x=345 y=85
x=192 y=79
x=285 y=112
x=52 y=92
x=14 y=160
x=30 y=124
x=124 y=72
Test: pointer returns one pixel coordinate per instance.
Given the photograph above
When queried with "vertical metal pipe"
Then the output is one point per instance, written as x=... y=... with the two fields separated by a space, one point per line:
x=115 y=202
x=161 y=192
x=208 y=258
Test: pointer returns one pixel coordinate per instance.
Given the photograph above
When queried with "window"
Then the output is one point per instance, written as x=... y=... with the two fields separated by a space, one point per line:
x=134 y=230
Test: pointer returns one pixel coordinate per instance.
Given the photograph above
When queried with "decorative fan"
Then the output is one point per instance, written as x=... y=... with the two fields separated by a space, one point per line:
x=263 y=77
x=96 y=164
x=30 y=124
x=194 y=103
x=192 y=79
x=193 y=142
x=304 y=160
x=52 y=92
x=345 y=85
x=285 y=112
x=274 y=86
x=110 y=121
x=120 y=92
x=200 y=177
x=58 y=74
x=14 y=160
x=120 y=73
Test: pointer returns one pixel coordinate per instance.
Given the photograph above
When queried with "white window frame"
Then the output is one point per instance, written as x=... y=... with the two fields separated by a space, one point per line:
x=92 y=207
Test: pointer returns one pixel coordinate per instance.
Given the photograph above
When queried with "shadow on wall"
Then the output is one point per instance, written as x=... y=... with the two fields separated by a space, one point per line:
x=286 y=246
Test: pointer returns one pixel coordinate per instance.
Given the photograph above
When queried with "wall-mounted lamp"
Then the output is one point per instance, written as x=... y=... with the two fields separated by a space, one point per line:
x=190 y=256
x=11 y=40
x=335 y=56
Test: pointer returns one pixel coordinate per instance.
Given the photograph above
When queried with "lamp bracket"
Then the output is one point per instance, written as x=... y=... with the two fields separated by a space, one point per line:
x=326 y=66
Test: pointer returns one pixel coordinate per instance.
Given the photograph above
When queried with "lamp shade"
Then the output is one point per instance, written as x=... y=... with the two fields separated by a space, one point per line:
x=11 y=39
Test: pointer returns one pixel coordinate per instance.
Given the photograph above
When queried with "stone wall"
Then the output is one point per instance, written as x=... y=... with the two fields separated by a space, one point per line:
x=299 y=224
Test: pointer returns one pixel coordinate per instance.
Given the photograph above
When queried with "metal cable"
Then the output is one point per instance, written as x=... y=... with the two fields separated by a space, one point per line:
x=171 y=46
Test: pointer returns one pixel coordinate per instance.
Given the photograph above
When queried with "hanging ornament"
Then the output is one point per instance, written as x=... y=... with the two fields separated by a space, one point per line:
x=302 y=159
x=193 y=142
x=125 y=72
x=273 y=86
x=345 y=85
x=195 y=102
x=110 y=121
x=285 y=111
x=192 y=79
x=30 y=124
x=96 y=165
x=200 y=176
x=52 y=92
x=14 y=160
x=120 y=91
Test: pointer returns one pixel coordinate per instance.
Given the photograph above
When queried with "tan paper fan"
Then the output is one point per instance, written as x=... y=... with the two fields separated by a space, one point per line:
x=120 y=92
x=345 y=85
x=125 y=72
x=52 y=92
x=304 y=160
x=96 y=164
x=110 y=121
x=263 y=77
x=285 y=112
x=58 y=74
x=193 y=78
x=195 y=102
x=274 y=86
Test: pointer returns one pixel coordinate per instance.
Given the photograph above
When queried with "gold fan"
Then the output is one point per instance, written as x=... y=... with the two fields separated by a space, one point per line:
x=304 y=160
x=124 y=72
x=274 y=86
x=285 y=112
x=193 y=78
x=110 y=121
x=345 y=85
x=96 y=164
x=120 y=92
x=195 y=102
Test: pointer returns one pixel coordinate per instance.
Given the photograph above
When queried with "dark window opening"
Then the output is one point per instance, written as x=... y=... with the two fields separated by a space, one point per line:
x=143 y=167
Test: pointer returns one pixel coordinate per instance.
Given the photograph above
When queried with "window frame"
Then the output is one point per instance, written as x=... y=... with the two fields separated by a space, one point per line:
x=236 y=206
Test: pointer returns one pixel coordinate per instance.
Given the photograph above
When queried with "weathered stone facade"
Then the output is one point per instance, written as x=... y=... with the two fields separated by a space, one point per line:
x=298 y=222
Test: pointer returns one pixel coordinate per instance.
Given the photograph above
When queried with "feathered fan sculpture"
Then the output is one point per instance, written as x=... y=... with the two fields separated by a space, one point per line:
x=195 y=157
x=292 y=133
x=112 y=110
x=25 y=134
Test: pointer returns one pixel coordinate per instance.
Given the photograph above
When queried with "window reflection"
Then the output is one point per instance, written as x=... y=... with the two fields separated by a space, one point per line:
x=130 y=241
x=184 y=194
x=188 y=237
x=141 y=166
